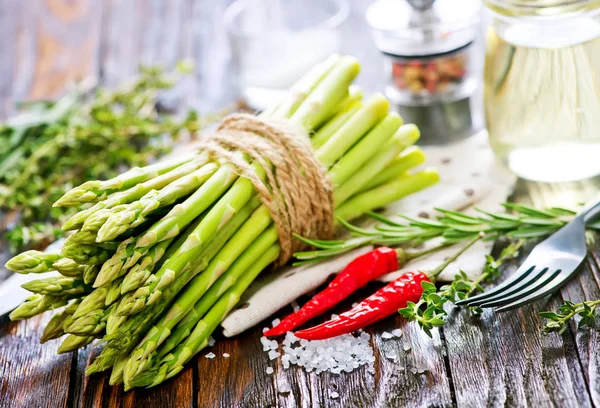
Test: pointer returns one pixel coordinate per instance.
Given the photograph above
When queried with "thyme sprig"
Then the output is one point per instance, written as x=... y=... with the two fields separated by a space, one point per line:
x=558 y=321
x=429 y=311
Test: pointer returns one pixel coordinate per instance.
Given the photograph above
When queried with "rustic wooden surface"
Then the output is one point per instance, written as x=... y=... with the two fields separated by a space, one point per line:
x=492 y=360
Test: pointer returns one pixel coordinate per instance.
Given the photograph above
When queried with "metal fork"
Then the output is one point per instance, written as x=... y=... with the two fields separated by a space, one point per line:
x=551 y=263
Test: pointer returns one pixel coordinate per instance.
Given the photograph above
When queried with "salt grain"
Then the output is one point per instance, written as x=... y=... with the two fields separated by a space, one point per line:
x=210 y=355
x=275 y=322
x=273 y=354
x=397 y=333
x=226 y=355
x=265 y=329
x=284 y=388
x=387 y=336
x=334 y=395
x=295 y=306
x=270 y=370
x=211 y=341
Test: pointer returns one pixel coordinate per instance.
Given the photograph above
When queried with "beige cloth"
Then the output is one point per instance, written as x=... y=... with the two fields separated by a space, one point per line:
x=470 y=178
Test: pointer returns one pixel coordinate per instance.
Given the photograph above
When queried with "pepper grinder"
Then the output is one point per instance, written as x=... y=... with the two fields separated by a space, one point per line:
x=432 y=64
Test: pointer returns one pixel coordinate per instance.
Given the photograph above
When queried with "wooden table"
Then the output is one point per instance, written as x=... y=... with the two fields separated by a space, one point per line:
x=492 y=360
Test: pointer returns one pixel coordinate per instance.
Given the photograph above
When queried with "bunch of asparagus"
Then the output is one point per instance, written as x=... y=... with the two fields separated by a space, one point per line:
x=161 y=254
x=52 y=146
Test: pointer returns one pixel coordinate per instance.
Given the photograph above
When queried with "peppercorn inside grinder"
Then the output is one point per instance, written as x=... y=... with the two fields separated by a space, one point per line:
x=431 y=59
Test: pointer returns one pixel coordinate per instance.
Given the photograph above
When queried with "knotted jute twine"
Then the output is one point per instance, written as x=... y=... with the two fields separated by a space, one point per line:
x=296 y=190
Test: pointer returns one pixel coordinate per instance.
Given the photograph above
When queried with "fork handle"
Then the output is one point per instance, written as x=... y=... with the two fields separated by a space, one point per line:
x=590 y=212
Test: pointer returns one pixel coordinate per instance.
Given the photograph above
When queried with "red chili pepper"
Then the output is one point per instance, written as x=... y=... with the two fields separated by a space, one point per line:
x=355 y=275
x=385 y=302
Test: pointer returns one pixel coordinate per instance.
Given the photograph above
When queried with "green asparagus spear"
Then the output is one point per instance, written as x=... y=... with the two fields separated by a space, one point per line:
x=69 y=268
x=32 y=262
x=192 y=300
x=73 y=342
x=56 y=326
x=197 y=340
x=57 y=286
x=93 y=191
x=136 y=212
x=37 y=304
x=137 y=192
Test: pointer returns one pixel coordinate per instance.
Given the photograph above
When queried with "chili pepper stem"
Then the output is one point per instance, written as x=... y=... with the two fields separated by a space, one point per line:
x=433 y=274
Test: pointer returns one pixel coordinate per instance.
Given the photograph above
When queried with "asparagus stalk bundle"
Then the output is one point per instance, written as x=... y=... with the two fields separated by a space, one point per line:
x=173 y=247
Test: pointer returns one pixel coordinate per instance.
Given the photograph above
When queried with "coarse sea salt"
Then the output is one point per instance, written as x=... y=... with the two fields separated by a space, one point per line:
x=386 y=336
x=284 y=388
x=211 y=341
x=339 y=354
x=226 y=355
x=270 y=370
x=295 y=306
x=397 y=333
x=333 y=395
x=210 y=355
x=275 y=322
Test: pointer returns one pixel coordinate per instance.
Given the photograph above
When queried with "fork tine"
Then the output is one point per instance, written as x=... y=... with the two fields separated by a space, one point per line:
x=524 y=292
x=523 y=284
x=550 y=287
x=507 y=284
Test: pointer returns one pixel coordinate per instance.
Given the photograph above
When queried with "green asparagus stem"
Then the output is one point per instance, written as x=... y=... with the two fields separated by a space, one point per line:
x=56 y=326
x=73 y=342
x=93 y=191
x=405 y=161
x=192 y=299
x=57 y=286
x=301 y=89
x=141 y=271
x=325 y=97
x=130 y=332
x=137 y=192
x=360 y=153
x=184 y=213
x=173 y=363
x=96 y=220
x=90 y=273
x=88 y=254
x=37 y=304
x=248 y=234
x=116 y=377
x=374 y=110
x=137 y=212
x=350 y=106
x=386 y=193
x=380 y=162
x=204 y=242
x=69 y=268
x=32 y=262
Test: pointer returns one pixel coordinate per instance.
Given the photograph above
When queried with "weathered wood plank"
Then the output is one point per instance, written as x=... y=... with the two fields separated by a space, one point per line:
x=32 y=374
x=584 y=286
x=504 y=359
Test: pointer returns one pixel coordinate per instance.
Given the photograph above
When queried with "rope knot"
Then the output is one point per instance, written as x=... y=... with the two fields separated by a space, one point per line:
x=296 y=189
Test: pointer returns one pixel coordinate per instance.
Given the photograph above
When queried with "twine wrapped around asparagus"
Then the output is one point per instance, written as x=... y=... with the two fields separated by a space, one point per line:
x=297 y=192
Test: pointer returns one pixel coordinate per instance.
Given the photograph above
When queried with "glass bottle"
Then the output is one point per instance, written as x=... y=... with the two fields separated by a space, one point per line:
x=542 y=87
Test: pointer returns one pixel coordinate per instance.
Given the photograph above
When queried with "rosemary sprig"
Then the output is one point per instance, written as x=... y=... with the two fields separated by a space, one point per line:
x=558 y=321
x=522 y=222
x=429 y=311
